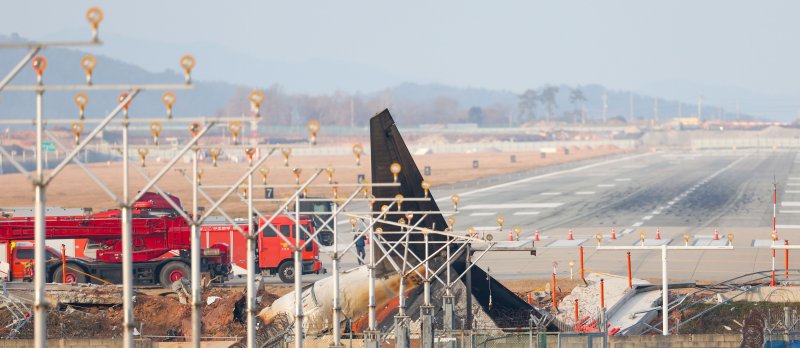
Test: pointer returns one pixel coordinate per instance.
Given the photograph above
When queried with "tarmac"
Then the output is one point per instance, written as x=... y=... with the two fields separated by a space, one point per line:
x=674 y=192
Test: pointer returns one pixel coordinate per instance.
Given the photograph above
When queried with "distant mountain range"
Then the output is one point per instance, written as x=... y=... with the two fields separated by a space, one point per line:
x=211 y=98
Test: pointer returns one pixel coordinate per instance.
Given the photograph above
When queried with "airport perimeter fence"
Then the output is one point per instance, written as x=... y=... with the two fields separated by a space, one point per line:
x=465 y=339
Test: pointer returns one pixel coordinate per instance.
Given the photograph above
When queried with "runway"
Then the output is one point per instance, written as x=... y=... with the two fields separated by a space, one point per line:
x=673 y=192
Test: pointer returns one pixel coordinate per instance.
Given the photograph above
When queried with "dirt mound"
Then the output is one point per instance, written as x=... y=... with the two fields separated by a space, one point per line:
x=162 y=315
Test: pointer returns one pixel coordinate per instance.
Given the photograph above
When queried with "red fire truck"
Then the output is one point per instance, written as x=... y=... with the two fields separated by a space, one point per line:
x=157 y=229
x=275 y=256
x=161 y=242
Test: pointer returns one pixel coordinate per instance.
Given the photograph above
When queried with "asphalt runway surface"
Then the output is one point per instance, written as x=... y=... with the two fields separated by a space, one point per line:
x=673 y=192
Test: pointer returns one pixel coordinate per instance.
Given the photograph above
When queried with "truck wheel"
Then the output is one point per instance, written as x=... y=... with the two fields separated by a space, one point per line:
x=174 y=271
x=72 y=276
x=286 y=272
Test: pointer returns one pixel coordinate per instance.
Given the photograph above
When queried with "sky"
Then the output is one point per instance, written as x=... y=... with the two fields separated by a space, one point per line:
x=725 y=50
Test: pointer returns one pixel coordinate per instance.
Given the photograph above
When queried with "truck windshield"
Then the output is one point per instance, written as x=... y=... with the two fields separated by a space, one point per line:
x=52 y=254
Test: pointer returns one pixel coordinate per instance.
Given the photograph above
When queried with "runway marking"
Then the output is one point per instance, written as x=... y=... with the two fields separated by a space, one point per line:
x=794 y=178
x=790 y=211
x=788 y=227
x=486 y=228
x=710 y=242
x=606 y=185
x=512 y=206
x=584 y=193
x=761 y=243
x=483 y=214
x=687 y=192
x=653 y=242
x=626 y=231
x=790 y=204
x=552 y=174
x=526 y=213
x=793 y=184
x=623 y=179
x=550 y=193
x=791 y=191
x=562 y=243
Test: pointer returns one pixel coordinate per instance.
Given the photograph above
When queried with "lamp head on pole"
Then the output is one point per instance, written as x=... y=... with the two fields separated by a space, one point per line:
x=94 y=15
x=358 y=149
x=88 y=63
x=455 y=198
x=187 y=63
x=81 y=99
x=256 y=97
x=395 y=169
x=313 y=127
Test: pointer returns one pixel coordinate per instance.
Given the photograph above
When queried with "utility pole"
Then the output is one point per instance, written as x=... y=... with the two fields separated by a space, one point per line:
x=655 y=110
x=630 y=97
x=737 y=110
x=352 y=113
x=700 y=106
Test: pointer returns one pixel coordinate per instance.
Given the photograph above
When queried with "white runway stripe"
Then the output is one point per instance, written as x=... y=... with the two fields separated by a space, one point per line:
x=790 y=211
x=553 y=174
x=550 y=193
x=584 y=193
x=483 y=214
x=606 y=185
x=526 y=213
x=513 y=206
x=623 y=179
x=790 y=204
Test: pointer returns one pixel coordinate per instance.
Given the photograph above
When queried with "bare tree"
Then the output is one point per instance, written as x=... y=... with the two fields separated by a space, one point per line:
x=576 y=97
x=548 y=97
x=527 y=105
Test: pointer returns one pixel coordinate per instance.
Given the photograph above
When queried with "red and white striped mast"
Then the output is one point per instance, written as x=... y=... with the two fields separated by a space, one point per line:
x=774 y=235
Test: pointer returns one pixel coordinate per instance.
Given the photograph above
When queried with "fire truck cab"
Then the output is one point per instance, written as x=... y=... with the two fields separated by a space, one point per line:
x=275 y=256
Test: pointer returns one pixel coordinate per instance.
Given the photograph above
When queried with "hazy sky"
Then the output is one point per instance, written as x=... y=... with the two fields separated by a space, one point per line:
x=748 y=45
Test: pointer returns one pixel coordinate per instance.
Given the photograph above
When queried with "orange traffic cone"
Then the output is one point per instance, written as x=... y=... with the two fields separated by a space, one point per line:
x=716 y=234
x=536 y=236
x=570 y=235
x=613 y=234
x=658 y=233
x=510 y=235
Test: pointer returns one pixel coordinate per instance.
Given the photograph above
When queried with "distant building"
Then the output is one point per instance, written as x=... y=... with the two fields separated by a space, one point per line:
x=686 y=122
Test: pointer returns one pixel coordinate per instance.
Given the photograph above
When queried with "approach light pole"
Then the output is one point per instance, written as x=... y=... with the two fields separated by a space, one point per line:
x=664 y=266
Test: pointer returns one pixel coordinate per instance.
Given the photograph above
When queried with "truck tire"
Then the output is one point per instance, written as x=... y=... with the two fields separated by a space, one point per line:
x=72 y=276
x=286 y=272
x=173 y=271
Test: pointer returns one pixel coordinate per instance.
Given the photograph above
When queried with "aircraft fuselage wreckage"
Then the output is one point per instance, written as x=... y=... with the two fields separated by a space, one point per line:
x=493 y=306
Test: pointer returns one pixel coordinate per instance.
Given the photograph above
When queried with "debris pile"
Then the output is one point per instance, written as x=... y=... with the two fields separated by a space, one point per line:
x=158 y=313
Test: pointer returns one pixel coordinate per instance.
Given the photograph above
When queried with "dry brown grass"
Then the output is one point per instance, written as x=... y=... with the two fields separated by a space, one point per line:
x=72 y=188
